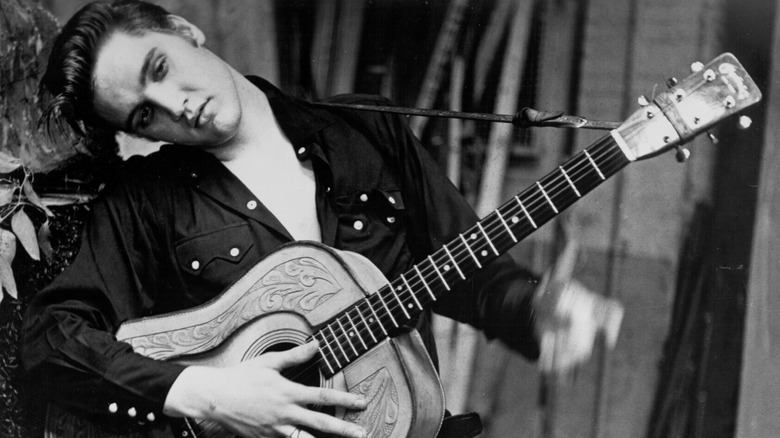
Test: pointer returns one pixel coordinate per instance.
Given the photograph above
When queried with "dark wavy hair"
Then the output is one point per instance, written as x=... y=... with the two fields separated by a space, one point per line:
x=68 y=76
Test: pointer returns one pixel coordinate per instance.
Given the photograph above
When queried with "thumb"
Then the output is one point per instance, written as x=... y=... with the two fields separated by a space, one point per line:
x=294 y=356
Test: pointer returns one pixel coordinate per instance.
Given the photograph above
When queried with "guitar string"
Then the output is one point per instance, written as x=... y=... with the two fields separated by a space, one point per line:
x=552 y=186
x=340 y=338
x=579 y=166
x=558 y=182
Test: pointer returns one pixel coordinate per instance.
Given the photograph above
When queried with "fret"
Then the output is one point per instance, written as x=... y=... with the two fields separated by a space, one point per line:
x=346 y=334
x=414 y=296
x=400 y=303
x=565 y=175
x=425 y=283
x=549 y=201
x=530 y=219
x=338 y=344
x=468 y=248
x=357 y=333
x=365 y=323
x=379 y=321
x=594 y=164
x=509 y=230
x=324 y=358
x=487 y=238
x=441 y=277
x=387 y=309
x=453 y=262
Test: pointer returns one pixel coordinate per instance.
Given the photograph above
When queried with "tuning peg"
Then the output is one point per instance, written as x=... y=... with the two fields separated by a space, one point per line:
x=745 y=122
x=671 y=82
x=696 y=67
x=642 y=100
x=682 y=154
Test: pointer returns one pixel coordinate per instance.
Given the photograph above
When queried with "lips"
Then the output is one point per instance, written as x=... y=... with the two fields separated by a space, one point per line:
x=201 y=117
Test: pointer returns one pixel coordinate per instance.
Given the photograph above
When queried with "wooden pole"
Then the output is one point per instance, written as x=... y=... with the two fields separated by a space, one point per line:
x=759 y=392
x=495 y=163
x=445 y=43
x=345 y=56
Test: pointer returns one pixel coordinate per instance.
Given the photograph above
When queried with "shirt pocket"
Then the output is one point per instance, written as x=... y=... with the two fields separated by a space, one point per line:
x=371 y=223
x=213 y=260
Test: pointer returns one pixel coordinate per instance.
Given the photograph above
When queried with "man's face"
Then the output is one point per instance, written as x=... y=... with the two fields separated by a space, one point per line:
x=163 y=87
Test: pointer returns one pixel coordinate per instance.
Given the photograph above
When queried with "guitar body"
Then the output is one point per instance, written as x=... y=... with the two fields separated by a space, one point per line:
x=278 y=304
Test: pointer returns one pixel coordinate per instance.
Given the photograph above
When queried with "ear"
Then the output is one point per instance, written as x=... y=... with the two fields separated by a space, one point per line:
x=187 y=29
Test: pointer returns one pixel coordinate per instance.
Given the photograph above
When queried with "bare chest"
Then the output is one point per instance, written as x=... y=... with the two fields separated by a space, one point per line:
x=286 y=186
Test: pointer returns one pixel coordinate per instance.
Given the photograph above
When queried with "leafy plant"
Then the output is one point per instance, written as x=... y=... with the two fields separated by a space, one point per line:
x=17 y=197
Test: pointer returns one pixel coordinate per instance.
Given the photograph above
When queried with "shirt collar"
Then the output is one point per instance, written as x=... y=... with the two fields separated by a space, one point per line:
x=297 y=118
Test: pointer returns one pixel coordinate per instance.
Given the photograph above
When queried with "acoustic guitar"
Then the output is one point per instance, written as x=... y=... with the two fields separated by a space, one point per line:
x=307 y=291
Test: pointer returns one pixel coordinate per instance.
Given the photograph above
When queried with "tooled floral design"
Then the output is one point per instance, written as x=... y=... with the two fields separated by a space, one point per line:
x=380 y=417
x=298 y=285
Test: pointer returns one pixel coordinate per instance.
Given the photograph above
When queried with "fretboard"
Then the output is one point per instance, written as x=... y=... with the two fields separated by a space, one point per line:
x=373 y=319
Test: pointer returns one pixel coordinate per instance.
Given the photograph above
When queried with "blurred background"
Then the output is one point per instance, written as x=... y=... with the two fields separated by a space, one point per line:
x=689 y=249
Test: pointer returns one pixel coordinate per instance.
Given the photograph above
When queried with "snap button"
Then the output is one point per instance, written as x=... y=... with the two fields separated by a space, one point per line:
x=391 y=200
x=113 y=408
x=195 y=265
x=358 y=225
x=251 y=204
x=364 y=197
x=131 y=412
x=150 y=416
x=391 y=219
x=234 y=252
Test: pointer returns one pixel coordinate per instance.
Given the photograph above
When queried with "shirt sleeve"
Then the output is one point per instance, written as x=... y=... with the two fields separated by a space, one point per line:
x=69 y=350
x=497 y=299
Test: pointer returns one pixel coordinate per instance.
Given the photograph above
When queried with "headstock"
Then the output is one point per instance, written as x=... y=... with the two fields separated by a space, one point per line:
x=706 y=97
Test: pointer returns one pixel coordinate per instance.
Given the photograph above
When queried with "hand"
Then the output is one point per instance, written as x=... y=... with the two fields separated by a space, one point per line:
x=252 y=399
x=567 y=322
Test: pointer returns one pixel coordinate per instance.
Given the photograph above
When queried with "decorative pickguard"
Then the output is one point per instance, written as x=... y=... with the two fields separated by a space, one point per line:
x=298 y=285
x=380 y=417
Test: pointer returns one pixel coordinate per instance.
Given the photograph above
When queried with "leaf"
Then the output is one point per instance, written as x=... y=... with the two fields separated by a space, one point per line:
x=7 y=254
x=7 y=278
x=9 y=163
x=6 y=193
x=34 y=199
x=44 y=240
x=25 y=232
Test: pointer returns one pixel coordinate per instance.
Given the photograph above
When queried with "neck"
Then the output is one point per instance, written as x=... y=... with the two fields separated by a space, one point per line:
x=258 y=130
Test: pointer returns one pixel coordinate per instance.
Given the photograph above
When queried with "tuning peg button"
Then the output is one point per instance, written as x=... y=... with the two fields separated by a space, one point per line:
x=642 y=100
x=712 y=137
x=697 y=66
x=745 y=122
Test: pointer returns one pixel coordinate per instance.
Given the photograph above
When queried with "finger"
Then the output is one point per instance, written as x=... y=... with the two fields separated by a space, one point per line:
x=332 y=397
x=294 y=356
x=326 y=423
x=294 y=432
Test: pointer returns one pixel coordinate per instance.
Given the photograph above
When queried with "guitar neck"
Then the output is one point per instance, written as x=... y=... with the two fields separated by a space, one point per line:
x=373 y=319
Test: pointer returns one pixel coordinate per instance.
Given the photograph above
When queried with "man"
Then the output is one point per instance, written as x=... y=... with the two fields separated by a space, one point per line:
x=248 y=169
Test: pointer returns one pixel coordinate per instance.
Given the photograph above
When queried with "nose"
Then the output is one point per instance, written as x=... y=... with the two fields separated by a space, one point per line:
x=172 y=101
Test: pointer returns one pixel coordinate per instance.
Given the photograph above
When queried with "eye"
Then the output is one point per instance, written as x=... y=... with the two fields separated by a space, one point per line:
x=161 y=69
x=145 y=116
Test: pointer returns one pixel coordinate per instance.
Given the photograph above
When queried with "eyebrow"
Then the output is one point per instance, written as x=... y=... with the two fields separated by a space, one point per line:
x=142 y=80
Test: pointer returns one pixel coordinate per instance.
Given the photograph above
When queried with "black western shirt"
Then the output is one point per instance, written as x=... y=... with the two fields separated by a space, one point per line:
x=177 y=228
